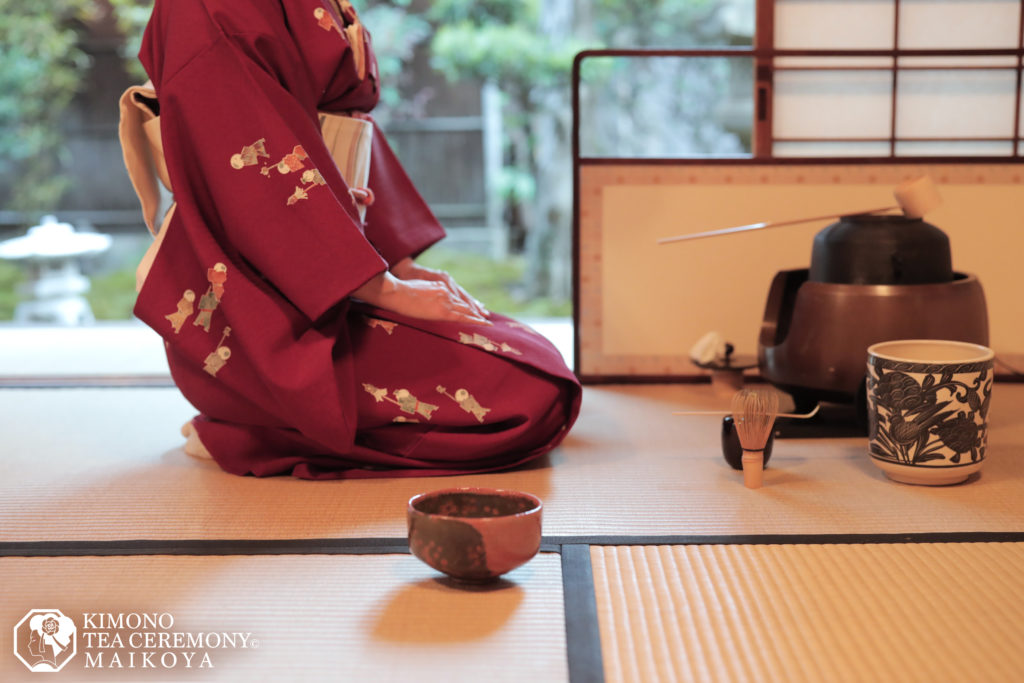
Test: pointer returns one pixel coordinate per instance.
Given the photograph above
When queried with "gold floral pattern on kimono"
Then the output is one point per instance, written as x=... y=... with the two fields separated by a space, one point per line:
x=405 y=401
x=218 y=358
x=311 y=179
x=186 y=306
x=250 y=155
x=325 y=20
x=467 y=402
x=293 y=161
x=353 y=32
x=386 y=325
x=207 y=305
x=209 y=302
x=217 y=276
x=486 y=344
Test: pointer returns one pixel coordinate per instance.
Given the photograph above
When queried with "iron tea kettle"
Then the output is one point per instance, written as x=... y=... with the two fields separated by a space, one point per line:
x=872 y=278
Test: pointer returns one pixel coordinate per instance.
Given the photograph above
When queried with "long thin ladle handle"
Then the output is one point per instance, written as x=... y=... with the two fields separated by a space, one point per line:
x=761 y=226
x=796 y=416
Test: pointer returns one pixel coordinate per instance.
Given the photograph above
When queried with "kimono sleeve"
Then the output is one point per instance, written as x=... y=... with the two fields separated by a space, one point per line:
x=247 y=158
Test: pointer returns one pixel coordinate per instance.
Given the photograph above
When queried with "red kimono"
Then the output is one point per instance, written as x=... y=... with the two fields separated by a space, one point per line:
x=250 y=286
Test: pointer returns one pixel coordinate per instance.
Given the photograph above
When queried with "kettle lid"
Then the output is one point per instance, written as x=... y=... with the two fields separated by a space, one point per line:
x=881 y=249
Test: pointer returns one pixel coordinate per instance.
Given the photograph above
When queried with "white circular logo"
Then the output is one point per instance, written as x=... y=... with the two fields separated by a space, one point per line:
x=45 y=640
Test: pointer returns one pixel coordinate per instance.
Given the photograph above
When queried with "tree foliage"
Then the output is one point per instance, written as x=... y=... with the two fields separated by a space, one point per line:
x=656 y=23
x=41 y=70
x=524 y=47
x=527 y=48
x=397 y=33
x=132 y=17
x=512 y=54
x=40 y=65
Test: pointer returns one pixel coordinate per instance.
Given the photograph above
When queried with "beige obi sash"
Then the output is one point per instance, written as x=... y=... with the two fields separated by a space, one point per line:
x=349 y=139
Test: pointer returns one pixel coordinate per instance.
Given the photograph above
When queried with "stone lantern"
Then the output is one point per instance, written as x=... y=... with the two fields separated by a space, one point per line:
x=50 y=252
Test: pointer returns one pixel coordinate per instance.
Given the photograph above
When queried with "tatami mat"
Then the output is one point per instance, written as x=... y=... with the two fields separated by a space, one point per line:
x=900 y=612
x=316 y=618
x=108 y=464
x=101 y=464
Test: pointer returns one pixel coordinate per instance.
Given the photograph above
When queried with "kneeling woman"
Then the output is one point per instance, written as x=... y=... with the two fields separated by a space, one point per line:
x=282 y=280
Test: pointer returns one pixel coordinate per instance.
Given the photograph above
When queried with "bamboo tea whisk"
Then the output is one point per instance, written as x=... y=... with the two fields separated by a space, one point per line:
x=753 y=414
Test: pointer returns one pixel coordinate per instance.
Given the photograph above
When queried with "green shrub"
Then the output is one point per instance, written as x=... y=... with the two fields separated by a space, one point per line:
x=112 y=295
x=11 y=277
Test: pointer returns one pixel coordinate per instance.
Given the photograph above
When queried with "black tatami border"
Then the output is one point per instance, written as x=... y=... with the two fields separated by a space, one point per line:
x=390 y=546
x=582 y=629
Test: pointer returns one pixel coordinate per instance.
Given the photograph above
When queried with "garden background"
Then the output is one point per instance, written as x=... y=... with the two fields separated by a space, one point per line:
x=476 y=101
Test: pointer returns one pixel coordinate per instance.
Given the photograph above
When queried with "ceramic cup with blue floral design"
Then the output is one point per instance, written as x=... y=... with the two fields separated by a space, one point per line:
x=928 y=402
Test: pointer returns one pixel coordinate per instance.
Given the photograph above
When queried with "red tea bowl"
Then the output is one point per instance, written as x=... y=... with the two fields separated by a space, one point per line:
x=474 y=534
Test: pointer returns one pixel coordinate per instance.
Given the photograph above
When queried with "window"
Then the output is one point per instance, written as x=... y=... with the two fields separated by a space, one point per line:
x=899 y=78
x=852 y=78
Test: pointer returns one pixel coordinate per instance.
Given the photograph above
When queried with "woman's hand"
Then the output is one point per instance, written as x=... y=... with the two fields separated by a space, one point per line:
x=416 y=298
x=407 y=269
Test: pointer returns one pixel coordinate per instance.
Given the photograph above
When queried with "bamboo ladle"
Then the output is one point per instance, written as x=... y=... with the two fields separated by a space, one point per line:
x=720 y=413
x=914 y=197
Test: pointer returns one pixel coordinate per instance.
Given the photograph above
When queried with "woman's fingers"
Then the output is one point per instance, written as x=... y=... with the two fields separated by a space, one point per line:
x=461 y=309
x=432 y=300
x=469 y=317
x=410 y=270
x=463 y=295
x=473 y=301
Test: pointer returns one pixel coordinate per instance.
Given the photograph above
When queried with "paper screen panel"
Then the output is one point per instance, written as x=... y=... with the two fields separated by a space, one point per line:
x=643 y=305
x=832 y=104
x=959 y=23
x=852 y=24
x=932 y=105
x=961 y=104
x=923 y=24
